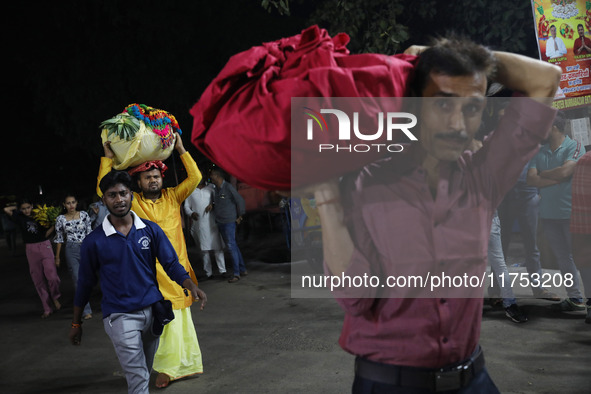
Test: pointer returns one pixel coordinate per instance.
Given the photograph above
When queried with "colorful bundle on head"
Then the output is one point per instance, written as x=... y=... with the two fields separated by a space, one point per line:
x=45 y=215
x=161 y=122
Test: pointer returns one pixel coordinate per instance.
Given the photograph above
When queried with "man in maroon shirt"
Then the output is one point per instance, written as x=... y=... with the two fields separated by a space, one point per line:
x=429 y=210
x=582 y=44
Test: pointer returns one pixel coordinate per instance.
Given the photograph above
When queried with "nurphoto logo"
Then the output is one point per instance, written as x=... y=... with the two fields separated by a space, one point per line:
x=389 y=122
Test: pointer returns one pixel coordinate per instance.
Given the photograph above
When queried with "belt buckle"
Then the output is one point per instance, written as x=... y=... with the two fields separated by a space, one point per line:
x=451 y=379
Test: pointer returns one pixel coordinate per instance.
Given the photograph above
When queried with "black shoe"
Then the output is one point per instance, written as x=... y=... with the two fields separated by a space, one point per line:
x=514 y=313
x=226 y=275
x=495 y=303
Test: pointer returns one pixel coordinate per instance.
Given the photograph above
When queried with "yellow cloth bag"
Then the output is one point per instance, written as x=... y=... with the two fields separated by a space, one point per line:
x=144 y=146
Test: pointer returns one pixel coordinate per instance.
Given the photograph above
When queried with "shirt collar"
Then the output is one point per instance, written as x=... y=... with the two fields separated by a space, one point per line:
x=562 y=144
x=109 y=229
x=220 y=187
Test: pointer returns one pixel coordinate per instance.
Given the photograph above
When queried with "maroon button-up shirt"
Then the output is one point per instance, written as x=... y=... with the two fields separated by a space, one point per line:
x=399 y=228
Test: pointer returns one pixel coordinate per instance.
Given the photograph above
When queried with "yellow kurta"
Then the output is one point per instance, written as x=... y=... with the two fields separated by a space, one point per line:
x=166 y=212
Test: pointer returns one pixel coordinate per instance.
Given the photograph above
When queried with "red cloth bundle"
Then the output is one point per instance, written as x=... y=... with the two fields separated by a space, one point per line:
x=242 y=122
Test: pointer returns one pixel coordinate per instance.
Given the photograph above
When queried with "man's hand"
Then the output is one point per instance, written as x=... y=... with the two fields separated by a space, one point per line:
x=415 y=50
x=195 y=216
x=196 y=292
x=209 y=208
x=10 y=209
x=178 y=144
x=239 y=220
x=534 y=179
x=75 y=335
x=322 y=191
x=108 y=152
x=57 y=261
x=474 y=145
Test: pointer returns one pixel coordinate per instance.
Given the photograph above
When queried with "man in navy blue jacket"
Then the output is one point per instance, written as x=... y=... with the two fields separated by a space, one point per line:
x=123 y=252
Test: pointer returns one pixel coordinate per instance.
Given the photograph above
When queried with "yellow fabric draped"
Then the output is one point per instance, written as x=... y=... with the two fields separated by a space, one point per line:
x=178 y=353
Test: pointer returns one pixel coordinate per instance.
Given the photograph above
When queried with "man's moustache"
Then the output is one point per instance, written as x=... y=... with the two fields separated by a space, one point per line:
x=453 y=135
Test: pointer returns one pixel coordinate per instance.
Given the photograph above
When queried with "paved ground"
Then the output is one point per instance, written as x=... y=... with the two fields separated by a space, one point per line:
x=255 y=338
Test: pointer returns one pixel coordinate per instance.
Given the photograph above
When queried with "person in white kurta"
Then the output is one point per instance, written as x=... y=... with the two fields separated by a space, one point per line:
x=204 y=229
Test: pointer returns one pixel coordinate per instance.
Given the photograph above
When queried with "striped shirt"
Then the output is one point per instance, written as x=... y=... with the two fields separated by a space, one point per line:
x=580 y=222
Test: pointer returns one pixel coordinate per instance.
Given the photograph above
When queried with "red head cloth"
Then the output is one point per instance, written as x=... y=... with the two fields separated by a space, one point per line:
x=242 y=122
x=149 y=165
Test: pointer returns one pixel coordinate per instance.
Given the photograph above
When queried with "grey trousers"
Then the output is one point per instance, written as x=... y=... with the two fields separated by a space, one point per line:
x=135 y=345
x=73 y=261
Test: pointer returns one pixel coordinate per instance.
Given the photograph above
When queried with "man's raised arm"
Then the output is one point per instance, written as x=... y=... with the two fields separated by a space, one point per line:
x=531 y=77
x=105 y=167
x=336 y=240
x=186 y=187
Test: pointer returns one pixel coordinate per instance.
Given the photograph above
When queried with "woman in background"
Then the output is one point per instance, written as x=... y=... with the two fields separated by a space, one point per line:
x=39 y=255
x=71 y=228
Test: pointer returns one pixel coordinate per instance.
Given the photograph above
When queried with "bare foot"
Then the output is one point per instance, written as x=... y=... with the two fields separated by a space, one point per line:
x=87 y=316
x=162 y=380
x=45 y=315
x=57 y=305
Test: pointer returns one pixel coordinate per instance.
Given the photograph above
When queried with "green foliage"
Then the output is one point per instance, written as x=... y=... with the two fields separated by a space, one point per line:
x=503 y=24
x=122 y=125
x=389 y=26
x=282 y=6
x=373 y=25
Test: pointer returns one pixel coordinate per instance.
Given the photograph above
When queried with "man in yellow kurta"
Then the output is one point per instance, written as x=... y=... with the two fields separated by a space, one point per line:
x=178 y=353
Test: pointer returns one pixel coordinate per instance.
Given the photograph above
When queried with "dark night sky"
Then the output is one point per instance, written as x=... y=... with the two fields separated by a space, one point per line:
x=73 y=64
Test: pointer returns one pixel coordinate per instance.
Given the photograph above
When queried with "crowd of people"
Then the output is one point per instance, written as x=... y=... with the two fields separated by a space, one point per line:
x=162 y=334
x=430 y=211
x=461 y=198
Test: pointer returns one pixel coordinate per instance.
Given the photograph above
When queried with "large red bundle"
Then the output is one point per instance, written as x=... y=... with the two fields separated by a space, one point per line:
x=242 y=121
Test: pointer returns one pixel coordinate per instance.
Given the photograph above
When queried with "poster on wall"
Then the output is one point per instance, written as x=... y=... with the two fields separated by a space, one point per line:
x=581 y=130
x=563 y=29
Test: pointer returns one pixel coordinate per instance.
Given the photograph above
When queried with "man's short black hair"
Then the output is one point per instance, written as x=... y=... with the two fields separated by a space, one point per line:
x=560 y=122
x=218 y=171
x=454 y=56
x=113 y=178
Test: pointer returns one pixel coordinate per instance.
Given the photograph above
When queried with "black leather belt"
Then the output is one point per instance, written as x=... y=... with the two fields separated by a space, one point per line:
x=453 y=377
